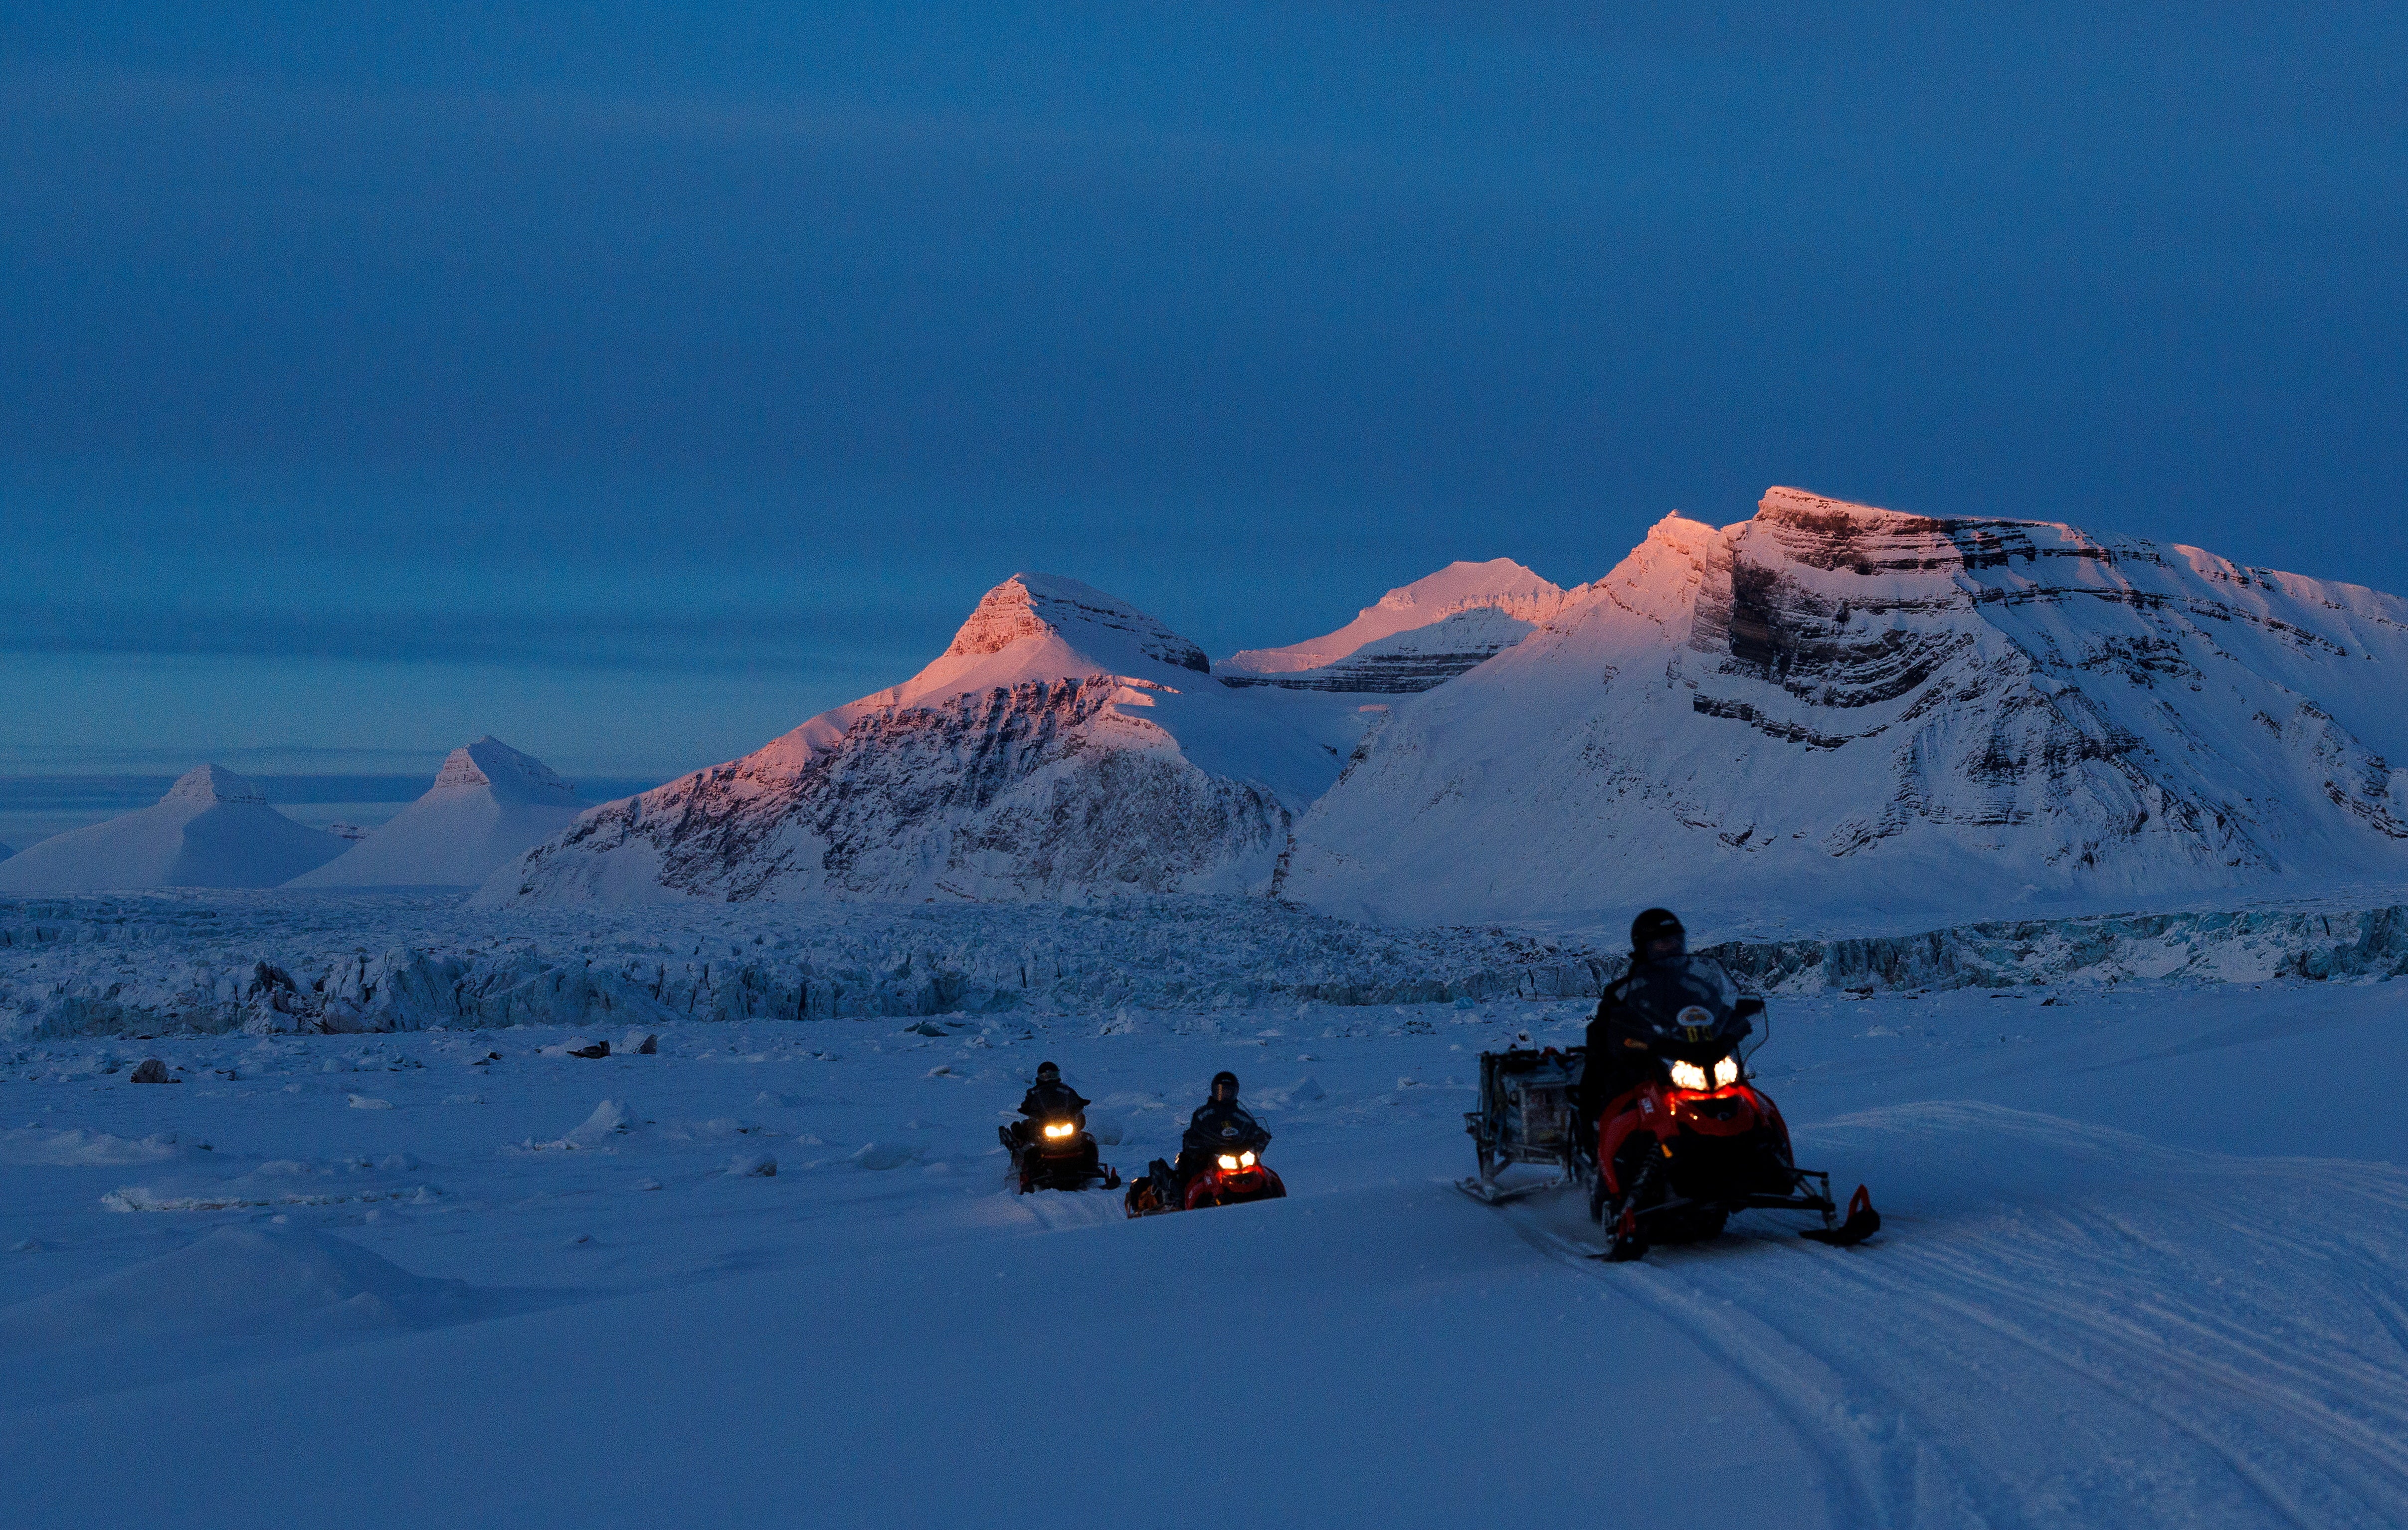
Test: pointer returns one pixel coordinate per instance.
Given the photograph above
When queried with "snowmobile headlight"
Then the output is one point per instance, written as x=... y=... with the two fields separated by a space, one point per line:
x=1688 y=1075
x=1229 y=1159
x=1246 y=1160
x=1727 y=1072
x=1057 y=1130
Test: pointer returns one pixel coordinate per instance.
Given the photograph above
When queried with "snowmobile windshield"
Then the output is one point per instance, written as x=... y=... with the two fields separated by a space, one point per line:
x=1689 y=1009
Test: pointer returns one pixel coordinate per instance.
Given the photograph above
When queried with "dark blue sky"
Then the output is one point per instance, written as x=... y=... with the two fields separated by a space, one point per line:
x=633 y=381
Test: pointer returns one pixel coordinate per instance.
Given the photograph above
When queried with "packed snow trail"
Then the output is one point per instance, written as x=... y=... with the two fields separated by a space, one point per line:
x=2068 y=1325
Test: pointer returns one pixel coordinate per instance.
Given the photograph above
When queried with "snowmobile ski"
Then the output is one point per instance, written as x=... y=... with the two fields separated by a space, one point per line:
x=1862 y=1222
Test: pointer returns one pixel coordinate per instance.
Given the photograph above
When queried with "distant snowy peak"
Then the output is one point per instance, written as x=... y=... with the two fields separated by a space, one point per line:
x=1042 y=606
x=488 y=804
x=1414 y=638
x=212 y=828
x=214 y=783
x=492 y=765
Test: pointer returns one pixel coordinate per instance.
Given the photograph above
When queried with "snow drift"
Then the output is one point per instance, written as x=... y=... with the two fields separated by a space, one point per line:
x=1415 y=637
x=212 y=829
x=489 y=803
x=1064 y=744
x=292 y=1287
x=1846 y=709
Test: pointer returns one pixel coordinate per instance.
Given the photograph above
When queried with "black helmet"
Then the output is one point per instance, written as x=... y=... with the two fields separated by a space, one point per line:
x=1047 y=1073
x=1224 y=1077
x=1653 y=925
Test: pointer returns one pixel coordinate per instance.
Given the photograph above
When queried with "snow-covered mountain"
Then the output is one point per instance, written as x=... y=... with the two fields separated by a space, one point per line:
x=489 y=803
x=1831 y=706
x=212 y=829
x=1064 y=744
x=1416 y=636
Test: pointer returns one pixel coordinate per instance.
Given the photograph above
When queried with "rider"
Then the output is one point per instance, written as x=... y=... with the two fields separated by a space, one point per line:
x=1219 y=1125
x=1619 y=1058
x=1048 y=1099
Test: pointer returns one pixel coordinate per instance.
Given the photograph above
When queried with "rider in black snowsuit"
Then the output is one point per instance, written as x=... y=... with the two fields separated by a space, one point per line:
x=1219 y=1125
x=1619 y=1058
x=1049 y=1099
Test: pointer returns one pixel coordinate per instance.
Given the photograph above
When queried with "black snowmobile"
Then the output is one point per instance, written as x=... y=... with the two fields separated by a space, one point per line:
x=1056 y=1153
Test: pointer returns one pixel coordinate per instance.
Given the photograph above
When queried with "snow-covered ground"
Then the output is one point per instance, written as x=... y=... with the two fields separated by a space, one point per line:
x=2142 y=1264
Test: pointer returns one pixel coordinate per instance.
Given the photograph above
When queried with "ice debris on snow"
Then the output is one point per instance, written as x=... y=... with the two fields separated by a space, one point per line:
x=71 y=1148
x=884 y=1155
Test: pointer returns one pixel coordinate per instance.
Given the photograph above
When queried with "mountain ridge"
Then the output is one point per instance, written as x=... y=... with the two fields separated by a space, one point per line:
x=1741 y=712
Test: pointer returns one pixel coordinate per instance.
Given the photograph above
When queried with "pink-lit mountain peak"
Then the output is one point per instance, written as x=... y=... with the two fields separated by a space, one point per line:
x=1047 y=607
x=1499 y=585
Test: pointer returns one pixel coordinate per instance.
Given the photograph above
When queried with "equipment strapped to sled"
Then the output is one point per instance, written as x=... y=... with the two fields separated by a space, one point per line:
x=1529 y=1113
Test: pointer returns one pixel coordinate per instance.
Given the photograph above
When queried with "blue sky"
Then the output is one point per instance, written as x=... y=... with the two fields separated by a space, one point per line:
x=632 y=382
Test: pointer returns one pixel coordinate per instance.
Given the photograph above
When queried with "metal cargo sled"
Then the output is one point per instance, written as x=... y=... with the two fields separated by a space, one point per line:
x=1529 y=1114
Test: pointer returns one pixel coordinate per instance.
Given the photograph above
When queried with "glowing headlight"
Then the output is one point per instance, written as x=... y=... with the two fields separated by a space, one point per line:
x=1057 y=1130
x=1688 y=1075
x=1727 y=1072
x=1246 y=1160
x=1229 y=1159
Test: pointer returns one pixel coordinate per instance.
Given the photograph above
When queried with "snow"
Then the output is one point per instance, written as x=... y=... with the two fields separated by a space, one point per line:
x=1065 y=744
x=2071 y=867
x=2140 y=1265
x=212 y=829
x=1810 y=708
x=1880 y=715
x=1502 y=595
x=489 y=804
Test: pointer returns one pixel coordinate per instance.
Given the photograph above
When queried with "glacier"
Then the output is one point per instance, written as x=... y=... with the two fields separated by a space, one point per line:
x=352 y=963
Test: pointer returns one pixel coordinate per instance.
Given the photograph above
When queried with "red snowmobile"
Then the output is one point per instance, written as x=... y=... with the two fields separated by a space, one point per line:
x=1678 y=1154
x=1230 y=1178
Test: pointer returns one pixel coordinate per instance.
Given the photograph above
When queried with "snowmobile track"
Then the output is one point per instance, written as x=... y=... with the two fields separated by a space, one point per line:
x=2201 y=1340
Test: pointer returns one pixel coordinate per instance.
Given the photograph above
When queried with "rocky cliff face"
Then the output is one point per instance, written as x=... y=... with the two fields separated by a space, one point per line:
x=1414 y=637
x=1041 y=789
x=1416 y=659
x=1835 y=702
